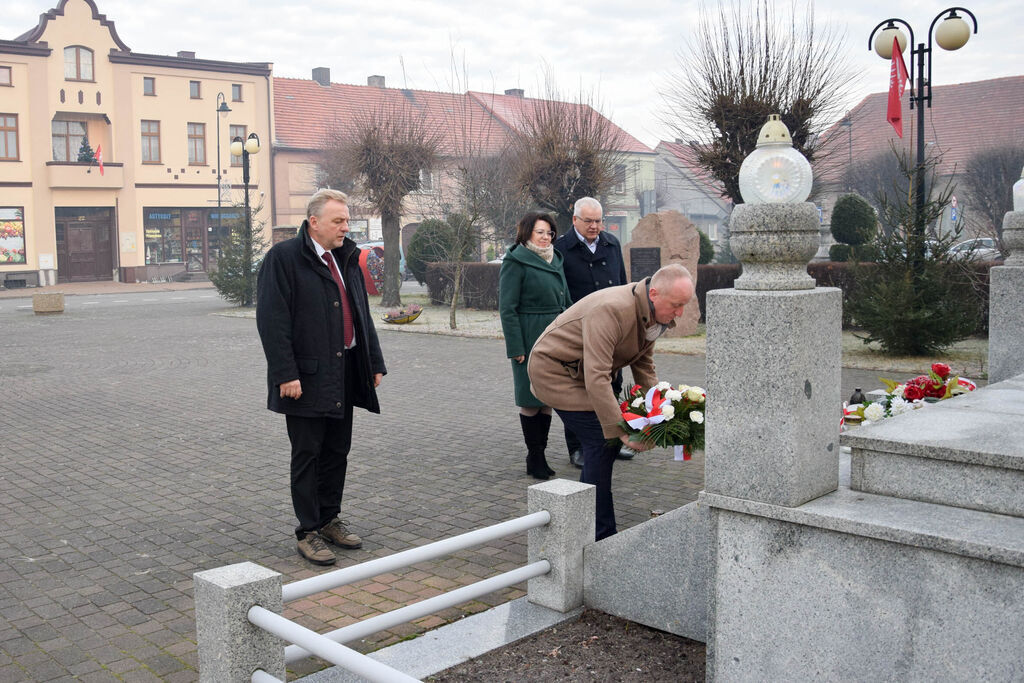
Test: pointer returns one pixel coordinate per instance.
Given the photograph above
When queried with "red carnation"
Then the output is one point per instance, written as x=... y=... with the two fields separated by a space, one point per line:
x=935 y=390
x=940 y=369
x=912 y=392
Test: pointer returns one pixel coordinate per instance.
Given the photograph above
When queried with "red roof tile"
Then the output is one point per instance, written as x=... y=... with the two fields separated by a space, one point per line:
x=964 y=118
x=511 y=110
x=306 y=113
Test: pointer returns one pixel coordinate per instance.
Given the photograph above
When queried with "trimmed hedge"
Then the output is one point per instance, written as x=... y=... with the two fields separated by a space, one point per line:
x=480 y=284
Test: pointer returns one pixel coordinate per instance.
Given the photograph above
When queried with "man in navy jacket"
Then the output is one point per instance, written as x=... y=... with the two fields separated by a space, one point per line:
x=323 y=358
x=592 y=260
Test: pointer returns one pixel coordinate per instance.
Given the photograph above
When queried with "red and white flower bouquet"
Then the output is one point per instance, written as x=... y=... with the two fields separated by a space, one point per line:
x=666 y=416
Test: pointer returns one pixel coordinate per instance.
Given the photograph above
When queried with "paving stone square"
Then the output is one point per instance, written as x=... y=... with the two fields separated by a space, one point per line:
x=135 y=450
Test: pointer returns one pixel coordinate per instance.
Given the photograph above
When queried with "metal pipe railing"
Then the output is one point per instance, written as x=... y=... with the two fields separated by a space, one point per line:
x=447 y=546
x=261 y=676
x=321 y=646
x=382 y=622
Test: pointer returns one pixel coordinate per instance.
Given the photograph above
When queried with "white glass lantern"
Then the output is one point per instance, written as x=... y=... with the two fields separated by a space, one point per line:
x=1018 y=193
x=775 y=173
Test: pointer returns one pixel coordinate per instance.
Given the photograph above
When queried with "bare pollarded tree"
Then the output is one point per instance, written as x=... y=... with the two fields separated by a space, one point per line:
x=380 y=153
x=989 y=175
x=565 y=150
x=744 y=62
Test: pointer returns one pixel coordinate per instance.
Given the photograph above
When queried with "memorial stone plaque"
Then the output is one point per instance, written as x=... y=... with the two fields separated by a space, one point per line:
x=643 y=262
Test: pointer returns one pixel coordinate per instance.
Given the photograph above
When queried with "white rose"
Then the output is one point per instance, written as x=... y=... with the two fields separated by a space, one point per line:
x=673 y=395
x=662 y=386
x=898 y=391
x=668 y=410
x=874 y=412
x=696 y=416
x=898 y=406
x=637 y=402
x=695 y=394
x=683 y=388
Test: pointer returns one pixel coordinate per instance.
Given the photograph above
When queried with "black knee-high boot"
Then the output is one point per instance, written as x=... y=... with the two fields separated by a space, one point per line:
x=535 y=436
x=544 y=420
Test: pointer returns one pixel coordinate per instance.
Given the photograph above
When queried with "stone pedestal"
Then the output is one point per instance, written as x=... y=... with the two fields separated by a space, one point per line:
x=774 y=242
x=1006 y=305
x=1005 y=323
x=674 y=239
x=773 y=374
x=48 y=303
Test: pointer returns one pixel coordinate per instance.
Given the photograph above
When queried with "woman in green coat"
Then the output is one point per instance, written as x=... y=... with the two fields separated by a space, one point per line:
x=531 y=293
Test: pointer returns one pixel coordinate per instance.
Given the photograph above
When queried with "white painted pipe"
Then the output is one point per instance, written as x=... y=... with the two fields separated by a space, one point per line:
x=382 y=622
x=406 y=558
x=333 y=652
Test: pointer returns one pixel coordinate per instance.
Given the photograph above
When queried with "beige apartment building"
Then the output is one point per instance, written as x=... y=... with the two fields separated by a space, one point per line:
x=147 y=206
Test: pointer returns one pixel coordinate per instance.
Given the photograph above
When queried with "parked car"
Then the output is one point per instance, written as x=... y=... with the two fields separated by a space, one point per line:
x=977 y=249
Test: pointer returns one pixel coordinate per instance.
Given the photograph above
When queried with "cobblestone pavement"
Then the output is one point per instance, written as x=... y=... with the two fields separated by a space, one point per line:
x=135 y=450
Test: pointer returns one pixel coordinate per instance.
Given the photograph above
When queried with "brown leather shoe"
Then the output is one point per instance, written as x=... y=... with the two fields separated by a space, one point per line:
x=313 y=548
x=337 y=533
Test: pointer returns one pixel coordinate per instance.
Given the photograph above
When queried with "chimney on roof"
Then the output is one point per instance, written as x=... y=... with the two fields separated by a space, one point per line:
x=679 y=141
x=375 y=81
x=186 y=54
x=515 y=92
x=322 y=75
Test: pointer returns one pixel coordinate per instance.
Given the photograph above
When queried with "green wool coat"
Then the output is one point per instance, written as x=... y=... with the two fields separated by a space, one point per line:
x=531 y=293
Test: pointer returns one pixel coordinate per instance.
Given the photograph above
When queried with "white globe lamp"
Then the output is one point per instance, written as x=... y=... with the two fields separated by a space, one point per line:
x=775 y=173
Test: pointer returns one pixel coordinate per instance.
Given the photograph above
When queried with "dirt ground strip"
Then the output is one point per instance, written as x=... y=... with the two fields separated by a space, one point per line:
x=595 y=647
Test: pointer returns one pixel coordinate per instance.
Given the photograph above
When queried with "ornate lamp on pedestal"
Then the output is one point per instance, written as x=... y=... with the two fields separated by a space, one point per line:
x=774 y=233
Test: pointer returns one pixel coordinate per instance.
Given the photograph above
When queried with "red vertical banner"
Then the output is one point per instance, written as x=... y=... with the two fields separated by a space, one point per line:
x=897 y=83
x=98 y=155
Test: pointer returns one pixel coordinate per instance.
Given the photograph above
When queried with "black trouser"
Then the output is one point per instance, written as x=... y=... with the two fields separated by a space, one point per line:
x=598 y=460
x=320 y=448
x=572 y=442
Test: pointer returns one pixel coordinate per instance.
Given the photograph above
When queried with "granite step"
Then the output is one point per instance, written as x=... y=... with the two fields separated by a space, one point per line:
x=965 y=452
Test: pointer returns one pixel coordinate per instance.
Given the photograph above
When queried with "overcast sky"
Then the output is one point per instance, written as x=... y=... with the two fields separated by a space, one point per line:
x=623 y=50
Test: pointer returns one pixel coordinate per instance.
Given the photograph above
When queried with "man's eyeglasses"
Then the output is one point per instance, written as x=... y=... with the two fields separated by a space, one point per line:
x=591 y=221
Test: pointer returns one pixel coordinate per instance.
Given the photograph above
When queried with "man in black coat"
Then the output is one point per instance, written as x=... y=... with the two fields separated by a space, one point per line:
x=592 y=260
x=323 y=358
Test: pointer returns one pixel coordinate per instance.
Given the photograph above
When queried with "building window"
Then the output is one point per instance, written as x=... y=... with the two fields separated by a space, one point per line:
x=236 y=132
x=67 y=138
x=9 y=137
x=426 y=180
x=193 y=90
x=197 y=144
x=619 y=179
x=12 y=234
x=151 y=142
x=162 y=228
x=5 y=75
x=236 y=92
x=148 y=85
x=77 y=63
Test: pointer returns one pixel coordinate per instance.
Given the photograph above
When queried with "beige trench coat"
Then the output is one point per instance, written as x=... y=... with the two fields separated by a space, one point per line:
x=573 y=361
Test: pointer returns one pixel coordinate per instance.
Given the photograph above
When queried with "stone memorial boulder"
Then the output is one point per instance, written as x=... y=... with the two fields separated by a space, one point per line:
x=658 y=240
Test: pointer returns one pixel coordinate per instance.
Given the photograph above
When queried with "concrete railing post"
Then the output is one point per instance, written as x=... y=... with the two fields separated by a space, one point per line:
x=231 y=648
x=561 y=541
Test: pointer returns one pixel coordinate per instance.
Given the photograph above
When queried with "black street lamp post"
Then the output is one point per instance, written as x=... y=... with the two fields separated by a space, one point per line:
x=952 y=34
x=222 y=111
x=244 y=150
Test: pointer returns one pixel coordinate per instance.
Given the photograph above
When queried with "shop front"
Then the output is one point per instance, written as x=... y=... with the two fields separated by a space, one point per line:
x=182 y=241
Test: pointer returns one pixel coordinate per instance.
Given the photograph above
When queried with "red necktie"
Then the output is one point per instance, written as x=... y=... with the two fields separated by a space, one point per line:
x=346 y=310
